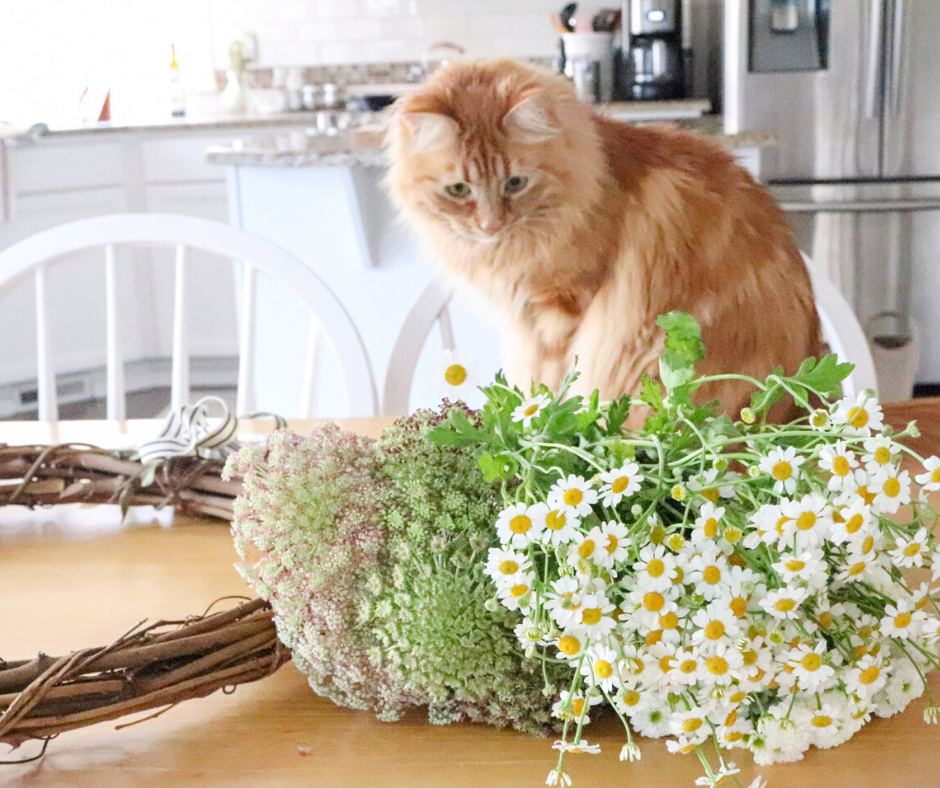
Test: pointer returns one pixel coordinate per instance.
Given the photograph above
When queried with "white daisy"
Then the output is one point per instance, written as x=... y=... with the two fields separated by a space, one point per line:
x=600 y=668
x=530 y=408
x=784 y=602
x=618 y=546
x=517 y=590
x=723 y=666
x=867 y=677
x=877 y=453
x=620 y=482
x=573 y=495
x=902 y=620
x=708 y=572
x=656 y=568
x=929 y=481
x=557 y=527
x=595 y=617
x=708 y=523
x=590 y=547
x=582 y=747
x=575 y=707
x=520 y=524
x=839 y=461
x=910 y=552
x=809 y=668
x=454 y=375
x=892 y=489
x=810 y=521
x=716 y=623
x=502 y=563
x=563 y=602
x=861 y=416
x=782 y=464
x=808 y=565
x=854 y=523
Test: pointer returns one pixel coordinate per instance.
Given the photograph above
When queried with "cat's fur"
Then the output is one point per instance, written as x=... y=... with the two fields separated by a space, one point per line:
x=617 y=224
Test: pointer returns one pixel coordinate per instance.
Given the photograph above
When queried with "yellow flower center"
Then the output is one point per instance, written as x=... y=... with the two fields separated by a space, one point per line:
x=658 y=534
x=508 y=567
x=669 y=620
x=869 y=675
x=794 y=566
x=676 y=542
x=586 y=548
x=665 y=664
x=573 y=497
x=732 y=718
x=711 y=575
x=520 y=524
x=891 y=487
x=603 y=669
x=569 y=645
x=854 y=523
x=654 y=637
x=655 y=568
x=738 y=606
x=822 y=721
x=717 y=666
x=935 y=475
x=711 y=494
x=691 y=725
x=531 y=410
x=841 y=467
x=882 y=455
x=912 y=549
x=781 y=522
x=739 y=696
x=857 y=568
x=750 y=657
x=577 y=706
x=901 y=620
x=806 y=521
x=868 y=544
x=680 y=575
x=782 y=471
x=784 y=605
x=688 y=666
x=733 y=535
x=865 y=495
x=612 y=543
x=455 y=374
x=811 y=662
x=711 y=528
x=825 y=620
x=630 y=697
x=519 y=590
x=555 y=520
x=858 y=418
x=591 y=615
x=620 y=484
x=865 y=631
x=733 y=736
x=653 y=601
x=714 y=630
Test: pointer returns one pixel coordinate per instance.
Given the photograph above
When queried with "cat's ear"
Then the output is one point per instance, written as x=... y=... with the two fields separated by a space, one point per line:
x=530 y=118
x=427 y=130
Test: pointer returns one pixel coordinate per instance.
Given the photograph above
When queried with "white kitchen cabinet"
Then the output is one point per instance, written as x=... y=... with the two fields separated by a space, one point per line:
x=62 y=178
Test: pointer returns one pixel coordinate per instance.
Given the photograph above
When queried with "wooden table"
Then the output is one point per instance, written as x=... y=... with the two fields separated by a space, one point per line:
x=65 y=586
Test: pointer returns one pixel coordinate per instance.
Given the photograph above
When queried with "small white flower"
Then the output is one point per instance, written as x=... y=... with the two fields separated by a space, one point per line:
x=516 y=591
x=839 y=461
x=620 y=482
x=867 y=677
x=809 y=669
x=454 y=374
x=809 y=521
x=600 y=667
x=656 y=568
x=808 y=565
x=782 y=464
x=902 y=620
x=854 y=524
x=558 y=777
x=910 y=552
x=575 y=707
x=784 y=602
x=877 y=453
x=930 y=479
x=530 y=408
x=582 y=747
x=716 y=623
x=573 y=495
x=708 y=523
x=502 y=563
x=861 y=416
x=520 y=524
x=617 y=547
x=892 y=489
x=595 y=618
x=557 y=527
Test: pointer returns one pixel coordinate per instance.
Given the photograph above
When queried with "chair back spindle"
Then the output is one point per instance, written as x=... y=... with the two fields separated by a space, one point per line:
x=46 y=391
x=245 y=396
x=116 y=401
x=179 y=376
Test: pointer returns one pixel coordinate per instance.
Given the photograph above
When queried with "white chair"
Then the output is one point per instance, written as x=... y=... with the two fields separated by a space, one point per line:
x=841 y=331
x=37 y=253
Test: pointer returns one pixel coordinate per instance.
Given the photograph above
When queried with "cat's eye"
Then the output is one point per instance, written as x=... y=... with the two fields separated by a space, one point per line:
x=458 y=190
x=515 y=184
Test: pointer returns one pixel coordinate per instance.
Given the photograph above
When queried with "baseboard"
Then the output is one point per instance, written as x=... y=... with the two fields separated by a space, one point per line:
x=927 y=389
x=139 y=375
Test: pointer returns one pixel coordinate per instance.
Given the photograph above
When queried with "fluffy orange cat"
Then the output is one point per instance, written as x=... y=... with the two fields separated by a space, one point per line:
x=580 y=231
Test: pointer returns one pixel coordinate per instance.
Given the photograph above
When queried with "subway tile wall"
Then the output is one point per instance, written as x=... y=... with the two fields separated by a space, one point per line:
x=315 y=32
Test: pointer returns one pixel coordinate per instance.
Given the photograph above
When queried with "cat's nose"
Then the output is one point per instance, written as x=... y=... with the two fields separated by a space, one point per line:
x=491 y=224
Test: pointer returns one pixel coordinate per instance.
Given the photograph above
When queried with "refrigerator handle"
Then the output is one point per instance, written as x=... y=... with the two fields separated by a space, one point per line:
x=897 y=50
x=873 y=80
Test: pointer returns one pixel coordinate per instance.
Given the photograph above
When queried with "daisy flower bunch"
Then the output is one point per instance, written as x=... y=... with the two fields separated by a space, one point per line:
x=724 y=584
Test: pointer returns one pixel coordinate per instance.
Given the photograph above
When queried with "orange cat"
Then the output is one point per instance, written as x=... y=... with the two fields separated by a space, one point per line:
x=580 y=231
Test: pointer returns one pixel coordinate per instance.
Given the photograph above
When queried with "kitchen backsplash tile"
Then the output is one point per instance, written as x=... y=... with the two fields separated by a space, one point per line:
x=325 y=32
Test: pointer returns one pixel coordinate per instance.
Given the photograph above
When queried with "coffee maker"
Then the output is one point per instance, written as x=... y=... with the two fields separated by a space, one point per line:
x=652 y=68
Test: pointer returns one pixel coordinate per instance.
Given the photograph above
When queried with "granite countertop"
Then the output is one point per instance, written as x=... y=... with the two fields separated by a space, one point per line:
x=363 y=146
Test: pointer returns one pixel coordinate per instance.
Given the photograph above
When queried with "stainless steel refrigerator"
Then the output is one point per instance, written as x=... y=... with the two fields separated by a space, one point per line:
x=851 y=90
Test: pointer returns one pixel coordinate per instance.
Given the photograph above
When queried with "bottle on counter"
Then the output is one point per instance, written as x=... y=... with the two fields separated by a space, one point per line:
x=177 y=107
